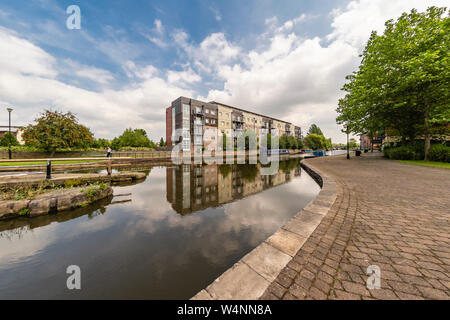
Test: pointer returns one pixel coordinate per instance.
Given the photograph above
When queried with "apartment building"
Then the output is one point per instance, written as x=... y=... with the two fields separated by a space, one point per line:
x=197 y=124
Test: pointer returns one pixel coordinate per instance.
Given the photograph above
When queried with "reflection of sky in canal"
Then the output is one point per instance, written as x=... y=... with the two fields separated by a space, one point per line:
x=145 y=248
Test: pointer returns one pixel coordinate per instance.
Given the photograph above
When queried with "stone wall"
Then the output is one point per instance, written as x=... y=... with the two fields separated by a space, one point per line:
x=53 y=202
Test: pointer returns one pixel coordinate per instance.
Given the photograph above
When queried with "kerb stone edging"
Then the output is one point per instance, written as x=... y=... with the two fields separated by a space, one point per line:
x=249 y=278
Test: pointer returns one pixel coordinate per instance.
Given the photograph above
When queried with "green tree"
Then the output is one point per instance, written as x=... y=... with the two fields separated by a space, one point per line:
x=292 y=142
x=136 y=138
x=224 y=141
x=8 y=139
x=300 y=144
x=314 y=129
x=101 y=143
x=54 y=130
x=283 y=142
x=161 y=142
x=352 y=143
x=403 y=80
x=316 y=142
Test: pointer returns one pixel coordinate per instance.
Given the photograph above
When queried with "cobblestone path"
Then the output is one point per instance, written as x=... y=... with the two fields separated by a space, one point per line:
x=392 y=215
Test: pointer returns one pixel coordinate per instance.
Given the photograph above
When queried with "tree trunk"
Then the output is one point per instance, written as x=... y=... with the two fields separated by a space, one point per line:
x=53 y=153
x=427 y=135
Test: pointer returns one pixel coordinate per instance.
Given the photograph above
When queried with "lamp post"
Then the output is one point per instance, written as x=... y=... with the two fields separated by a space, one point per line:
x=348 y=147
x=9 y=149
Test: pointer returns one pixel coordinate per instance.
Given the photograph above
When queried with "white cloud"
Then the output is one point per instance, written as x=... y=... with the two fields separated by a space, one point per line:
x=216 y=13
x=185 y=76
x=289 y=25
x=132 y=70
x=159 y=27
x=156 y=35
x=354 y=23
x=215 y=50
x=100 y=76
x=22 y=56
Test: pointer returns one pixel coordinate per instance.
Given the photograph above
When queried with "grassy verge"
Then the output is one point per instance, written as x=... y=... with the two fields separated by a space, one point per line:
x=24 y=163
x=435 y=164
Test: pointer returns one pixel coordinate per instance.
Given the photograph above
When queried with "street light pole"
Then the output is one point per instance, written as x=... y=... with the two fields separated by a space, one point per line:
x=9 y=148
x=348 y=147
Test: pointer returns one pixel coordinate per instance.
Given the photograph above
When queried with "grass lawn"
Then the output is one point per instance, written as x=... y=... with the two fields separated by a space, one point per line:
x=435 y=164
x=24 y=163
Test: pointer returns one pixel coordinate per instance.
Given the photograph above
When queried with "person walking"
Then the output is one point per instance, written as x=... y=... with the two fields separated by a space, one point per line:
x=108 y=152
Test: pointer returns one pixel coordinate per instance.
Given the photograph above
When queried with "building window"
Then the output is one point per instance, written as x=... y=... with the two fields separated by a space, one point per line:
x=213 y=112
x=207 y=110
x=228 y=123
x=185 y=108
x=206 y=120
x=228 y=115
x=222 y=123
x=220 y=113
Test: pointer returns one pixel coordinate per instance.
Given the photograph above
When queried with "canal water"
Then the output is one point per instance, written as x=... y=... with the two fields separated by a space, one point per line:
x=165 y=238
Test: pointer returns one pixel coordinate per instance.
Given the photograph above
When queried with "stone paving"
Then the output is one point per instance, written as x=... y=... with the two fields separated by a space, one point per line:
x=389 y=214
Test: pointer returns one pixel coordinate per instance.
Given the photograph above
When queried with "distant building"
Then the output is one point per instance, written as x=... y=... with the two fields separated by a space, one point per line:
x=366 y=143
x=204 y=123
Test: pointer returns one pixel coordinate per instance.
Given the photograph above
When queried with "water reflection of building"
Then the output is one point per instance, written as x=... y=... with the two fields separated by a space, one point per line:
x=193 y=188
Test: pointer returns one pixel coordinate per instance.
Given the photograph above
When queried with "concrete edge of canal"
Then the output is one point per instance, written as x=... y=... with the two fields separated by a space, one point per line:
x=249 y=278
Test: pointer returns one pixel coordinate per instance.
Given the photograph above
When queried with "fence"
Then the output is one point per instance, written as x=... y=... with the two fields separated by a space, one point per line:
x=142 y=154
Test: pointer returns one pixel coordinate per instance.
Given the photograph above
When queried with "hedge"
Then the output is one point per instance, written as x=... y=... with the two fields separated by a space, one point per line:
x=438 y=152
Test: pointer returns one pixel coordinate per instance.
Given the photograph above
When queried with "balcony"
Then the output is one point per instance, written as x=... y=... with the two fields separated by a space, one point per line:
x=198 y=111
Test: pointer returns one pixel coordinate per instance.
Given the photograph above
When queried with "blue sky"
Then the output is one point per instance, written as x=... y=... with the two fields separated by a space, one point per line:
x=130 y=59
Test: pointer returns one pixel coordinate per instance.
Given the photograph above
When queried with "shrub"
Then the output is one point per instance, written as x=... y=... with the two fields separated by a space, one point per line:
x=401 y=153
x=8 y=139
x=72 y=183
x=439 y=152
x=24 y=212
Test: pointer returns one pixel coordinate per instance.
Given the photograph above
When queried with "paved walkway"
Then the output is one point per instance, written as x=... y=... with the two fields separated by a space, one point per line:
x=389 y=214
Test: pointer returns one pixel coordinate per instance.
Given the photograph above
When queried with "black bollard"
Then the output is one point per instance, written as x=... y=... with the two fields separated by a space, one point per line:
x=108 y=167
x=49 y=170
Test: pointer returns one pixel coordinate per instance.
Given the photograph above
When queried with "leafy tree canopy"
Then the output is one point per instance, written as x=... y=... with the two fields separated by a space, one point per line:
x=132 y=138
x=317 y=142
x=314 y=129
x=54 y=130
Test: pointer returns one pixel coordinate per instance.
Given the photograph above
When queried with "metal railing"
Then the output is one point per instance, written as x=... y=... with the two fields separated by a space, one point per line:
x=142 y=154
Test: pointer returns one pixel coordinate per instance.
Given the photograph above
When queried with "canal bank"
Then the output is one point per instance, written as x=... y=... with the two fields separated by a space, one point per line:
x=12 y=182
x=387 y=215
